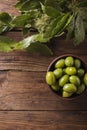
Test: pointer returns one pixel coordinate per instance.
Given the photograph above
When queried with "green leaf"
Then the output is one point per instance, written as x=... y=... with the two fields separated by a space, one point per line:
x=51 y=27
x=3 y=27
x=29 y=5
x=71 y=28
x=29 y=40
x=5 y=18
x=61 y=5
x=83 y=13
x=50 y=18
x=21 y=4
x=85 y=26
x=52 y=3
x=42 y=22
x=40 y=48
x=26 y=42
x=25 y=20
x=32 y=44
x=65 y=26
x=50 y=11
x=79 y=30
x=21 y=21
x=41 y=38
x=5 y=22
x=60 y=25
x=25 y=31
x=82 y=3
x=56 y=26
x=6 y=44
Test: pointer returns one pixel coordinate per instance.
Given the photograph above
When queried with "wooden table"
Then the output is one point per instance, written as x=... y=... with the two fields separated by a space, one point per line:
x=26 y=102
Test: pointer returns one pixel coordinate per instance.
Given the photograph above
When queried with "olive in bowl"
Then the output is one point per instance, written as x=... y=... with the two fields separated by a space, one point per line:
x=67 y=76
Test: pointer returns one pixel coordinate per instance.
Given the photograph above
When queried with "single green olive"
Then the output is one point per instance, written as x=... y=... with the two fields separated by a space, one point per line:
x=77 y=63
x=50 y=78
x=70 y=88
x=66 y=94
x=80 y=72
x=74 y=80
x=55 y=87
x=80 y=89
x=69 y=61
x=85 y=79
x=58 y=72
x=71 y=70
x=60 y=63
x=63 y=80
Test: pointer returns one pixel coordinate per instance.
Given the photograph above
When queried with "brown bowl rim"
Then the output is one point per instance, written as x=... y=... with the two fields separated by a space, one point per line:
x=64 y=56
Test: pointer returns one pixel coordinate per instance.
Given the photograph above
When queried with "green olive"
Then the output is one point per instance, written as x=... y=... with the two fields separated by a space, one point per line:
x=58 y=72
x=70 y=88
x=69 y=61
x=81 y=88
x=63 y=80
x=67 y=77
x=55 y=87
x=60 y=63
x=85 y=79
x=50 y=78
x=80 y=72
x=74 y=80
x=71 y=70
x=77 y=63
x=66 y=94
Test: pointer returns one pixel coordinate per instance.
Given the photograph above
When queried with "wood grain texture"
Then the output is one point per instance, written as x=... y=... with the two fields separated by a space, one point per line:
x=26 y=101
x=28 y=91
x=43 y=120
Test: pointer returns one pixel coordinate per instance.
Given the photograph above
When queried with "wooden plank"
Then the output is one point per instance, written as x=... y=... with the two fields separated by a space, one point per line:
x=28 y=91
x=26 y=102
x=43 y=120
x=8 y=6
x=22 y=60
x=28 y=62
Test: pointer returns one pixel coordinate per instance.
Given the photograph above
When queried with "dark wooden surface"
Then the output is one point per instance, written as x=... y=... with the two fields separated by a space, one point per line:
x=26 y=102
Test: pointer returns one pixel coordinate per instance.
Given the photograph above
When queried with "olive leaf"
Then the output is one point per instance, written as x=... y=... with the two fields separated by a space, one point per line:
x=82 y=3
x=3 y=27
x=5 y=18
x=20 y=21
x=71 y=28
x=60 y=25
x=33 y=44
x=42 y=22
x=50 y=11
x=56 y=26
x=5 y=22
x=20 y=3
x=49 y=19
x=40 y=48
x=7 y=44
x=62 y=31
x=79 y=30
x=28 y=5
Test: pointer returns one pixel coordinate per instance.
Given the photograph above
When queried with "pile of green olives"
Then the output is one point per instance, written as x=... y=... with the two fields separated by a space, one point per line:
x=68 y=77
